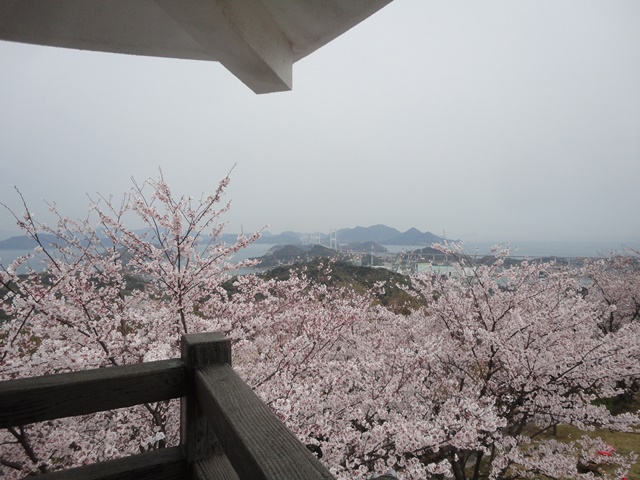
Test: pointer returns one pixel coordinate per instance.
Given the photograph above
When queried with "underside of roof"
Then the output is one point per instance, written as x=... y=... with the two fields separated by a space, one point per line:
x=256 y=40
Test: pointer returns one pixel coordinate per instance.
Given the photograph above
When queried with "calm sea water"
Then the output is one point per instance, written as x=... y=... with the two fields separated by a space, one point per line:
x=518 y=249
x=541 y=249
x=557 y=249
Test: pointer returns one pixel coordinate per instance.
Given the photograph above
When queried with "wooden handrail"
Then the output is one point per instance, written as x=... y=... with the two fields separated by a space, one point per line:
x=162 y=464
x=36 y=399
x=227 y=432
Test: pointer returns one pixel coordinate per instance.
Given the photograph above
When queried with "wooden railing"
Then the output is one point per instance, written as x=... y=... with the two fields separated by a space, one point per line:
x=227 y=432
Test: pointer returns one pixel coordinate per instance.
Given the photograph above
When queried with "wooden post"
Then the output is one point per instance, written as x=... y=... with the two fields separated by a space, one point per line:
x=199 y=350
x=257 y=444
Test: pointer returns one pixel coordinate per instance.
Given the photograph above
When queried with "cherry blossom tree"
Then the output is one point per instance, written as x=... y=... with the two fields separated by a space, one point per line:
x=519 y=351
x=72 y=309
x=462 y=387
x=612 y=285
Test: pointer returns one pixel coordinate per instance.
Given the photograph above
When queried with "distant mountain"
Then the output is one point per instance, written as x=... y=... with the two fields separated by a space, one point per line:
x=379 y=234
x=24 y=242
x=415 y=237
x=375 y=233
x=384 y=235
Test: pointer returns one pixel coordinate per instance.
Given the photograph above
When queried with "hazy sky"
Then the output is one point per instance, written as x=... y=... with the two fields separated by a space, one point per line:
x=488 y=120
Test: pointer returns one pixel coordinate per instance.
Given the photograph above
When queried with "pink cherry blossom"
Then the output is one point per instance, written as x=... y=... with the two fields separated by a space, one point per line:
x=465 y=386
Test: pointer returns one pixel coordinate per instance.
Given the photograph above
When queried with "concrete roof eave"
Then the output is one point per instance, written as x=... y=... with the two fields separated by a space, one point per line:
x=256 y=40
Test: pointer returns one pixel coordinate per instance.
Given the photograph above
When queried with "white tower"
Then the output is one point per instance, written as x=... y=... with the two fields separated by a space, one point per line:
x=333 y=239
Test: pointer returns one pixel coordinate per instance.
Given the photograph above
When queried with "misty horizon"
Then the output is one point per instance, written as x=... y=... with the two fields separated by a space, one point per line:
x=493 y=121
x=518 y=248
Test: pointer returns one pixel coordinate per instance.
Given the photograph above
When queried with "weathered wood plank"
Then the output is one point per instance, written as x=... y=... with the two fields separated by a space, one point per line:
x=257 y=444
x=215 y=467
x=29 y=400
x=163 y=464
x=199 y=350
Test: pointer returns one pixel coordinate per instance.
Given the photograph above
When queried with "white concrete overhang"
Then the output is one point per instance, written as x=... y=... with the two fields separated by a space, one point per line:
x=256 y=40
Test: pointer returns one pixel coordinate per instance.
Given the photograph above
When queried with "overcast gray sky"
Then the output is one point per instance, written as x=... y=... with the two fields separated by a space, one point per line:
x=492 y=120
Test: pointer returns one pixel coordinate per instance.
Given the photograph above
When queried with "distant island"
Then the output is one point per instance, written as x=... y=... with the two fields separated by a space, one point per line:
x=358 y=238
x=380 y=234
x=383 y=235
